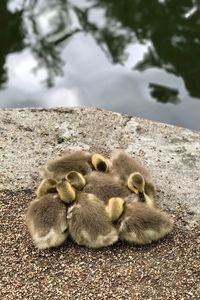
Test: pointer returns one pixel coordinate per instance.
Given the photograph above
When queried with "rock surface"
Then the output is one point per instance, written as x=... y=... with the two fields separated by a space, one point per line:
x=168 y=269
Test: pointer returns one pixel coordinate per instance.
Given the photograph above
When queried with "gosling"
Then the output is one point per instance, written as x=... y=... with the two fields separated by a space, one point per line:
x=136 y=184
x=76 y=180
x=46 y=221
x=89 y=224
x=139 y=223
x=79 y=161
x=128 y=169
x=64 y=189
x=100 y=163
x=105 y=186
x=46 y=186
x=46 y=215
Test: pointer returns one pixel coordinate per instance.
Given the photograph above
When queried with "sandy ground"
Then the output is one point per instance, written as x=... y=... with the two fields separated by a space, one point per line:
x=168 y=269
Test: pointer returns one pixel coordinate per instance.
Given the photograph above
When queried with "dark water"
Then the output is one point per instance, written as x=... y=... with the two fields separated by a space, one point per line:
x=137 y=57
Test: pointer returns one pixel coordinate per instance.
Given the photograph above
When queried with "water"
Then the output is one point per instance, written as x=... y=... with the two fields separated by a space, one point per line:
x=135 y=57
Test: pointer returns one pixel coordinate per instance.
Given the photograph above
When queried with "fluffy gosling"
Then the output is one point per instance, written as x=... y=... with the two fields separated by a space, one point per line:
x=89 y=224
x=141 y=224
x=127 y=168
x=79 y=161
x=46 y=186
x=105 y=186
x=76 y=180
x=46 y=221
x=100 y=163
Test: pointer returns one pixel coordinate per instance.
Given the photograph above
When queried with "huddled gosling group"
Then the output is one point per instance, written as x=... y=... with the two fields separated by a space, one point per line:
x=95 y=201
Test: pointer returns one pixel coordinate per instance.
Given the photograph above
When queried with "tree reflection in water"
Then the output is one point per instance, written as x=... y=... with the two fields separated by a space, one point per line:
x=47 y=25
x=11 y=36
x=174 y=34
x=172 y=27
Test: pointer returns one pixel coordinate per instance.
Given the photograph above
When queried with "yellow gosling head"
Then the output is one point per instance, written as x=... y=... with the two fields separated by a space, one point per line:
x=65 y=191
x=100 y=163
x=136 y=184
x=76 y=180
x=115 y=208
x=46 y=186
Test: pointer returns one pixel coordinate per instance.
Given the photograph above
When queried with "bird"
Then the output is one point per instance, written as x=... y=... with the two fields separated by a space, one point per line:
x=105 y=186
x=115 y=208
x=79 y=161
x=76 y=180
x=89 y=223
x=132 y=173
x=64 y=189
x=46 y=215
x=140 y=224
x=100 y=163
x=46 y=221
x=136 y=184
x=46 y=186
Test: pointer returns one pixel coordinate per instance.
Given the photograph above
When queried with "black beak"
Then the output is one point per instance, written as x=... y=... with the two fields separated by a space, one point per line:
x=141 y=196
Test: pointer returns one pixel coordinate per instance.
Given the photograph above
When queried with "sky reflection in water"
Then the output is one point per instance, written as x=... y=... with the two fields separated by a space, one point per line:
x=103 y=53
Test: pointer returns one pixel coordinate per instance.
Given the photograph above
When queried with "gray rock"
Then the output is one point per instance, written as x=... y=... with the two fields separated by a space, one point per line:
x=29 y=137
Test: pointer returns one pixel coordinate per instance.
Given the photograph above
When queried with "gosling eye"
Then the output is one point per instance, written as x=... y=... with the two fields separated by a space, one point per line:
x=134 y=187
